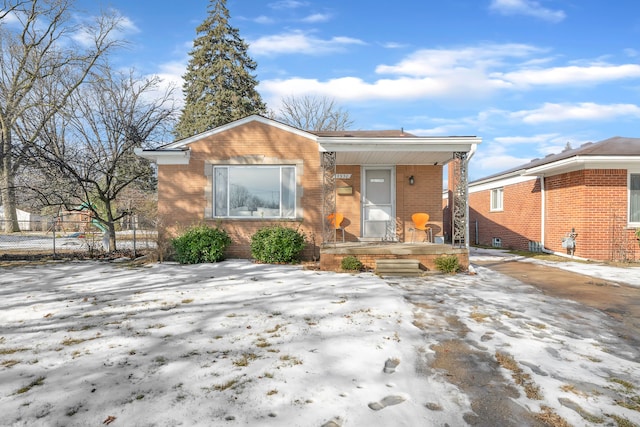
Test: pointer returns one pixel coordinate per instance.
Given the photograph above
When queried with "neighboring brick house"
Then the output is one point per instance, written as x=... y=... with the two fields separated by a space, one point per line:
x=256 y=172
x=583 y=201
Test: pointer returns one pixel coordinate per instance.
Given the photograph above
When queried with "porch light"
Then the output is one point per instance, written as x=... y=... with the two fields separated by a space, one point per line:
x=411 y=180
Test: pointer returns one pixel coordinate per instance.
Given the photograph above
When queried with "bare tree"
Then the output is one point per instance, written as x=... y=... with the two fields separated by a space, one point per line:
x=313 y=113
x=37 y=50
x=86 y=156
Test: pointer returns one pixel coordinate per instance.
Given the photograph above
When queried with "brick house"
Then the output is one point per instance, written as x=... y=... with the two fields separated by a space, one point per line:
x=255 y=172
x=583 y=201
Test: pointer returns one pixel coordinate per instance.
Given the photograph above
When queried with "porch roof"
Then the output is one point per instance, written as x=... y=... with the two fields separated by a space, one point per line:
x=400 y=150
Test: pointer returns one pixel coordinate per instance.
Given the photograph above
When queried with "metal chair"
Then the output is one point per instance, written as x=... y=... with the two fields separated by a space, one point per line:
x=420 y=221
x=335 y=219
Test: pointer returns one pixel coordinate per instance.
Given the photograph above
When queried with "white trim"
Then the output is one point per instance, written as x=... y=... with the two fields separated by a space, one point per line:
x=632 y=171
x=489 y=185
x=420 y=144
x=543 y=205
x=497 y=191
x=584 y=162
x=165 y=157
x=279 y=167
x=363 y=186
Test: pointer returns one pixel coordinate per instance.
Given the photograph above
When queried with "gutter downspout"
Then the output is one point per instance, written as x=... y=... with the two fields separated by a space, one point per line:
x=543 y=210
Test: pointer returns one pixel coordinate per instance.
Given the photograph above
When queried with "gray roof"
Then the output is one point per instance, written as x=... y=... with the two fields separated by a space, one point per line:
x=613 y=147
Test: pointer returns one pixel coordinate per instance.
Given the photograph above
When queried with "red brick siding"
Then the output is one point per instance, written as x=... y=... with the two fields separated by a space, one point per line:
x=516 y=225
x=425 y=195
x=594 y=202
x=181 y=189
x=349 y=204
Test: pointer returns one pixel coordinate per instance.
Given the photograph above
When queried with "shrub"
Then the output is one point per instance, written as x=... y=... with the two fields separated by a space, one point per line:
x=351 y=263
x=277 y=244
x=448 y=263
x=201 y=244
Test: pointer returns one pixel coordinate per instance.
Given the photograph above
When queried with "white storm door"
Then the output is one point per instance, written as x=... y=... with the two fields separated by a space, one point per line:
x=378 y=202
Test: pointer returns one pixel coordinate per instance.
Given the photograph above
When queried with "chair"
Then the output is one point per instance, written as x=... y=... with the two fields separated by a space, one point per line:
x=335 y=219
x=420 y=221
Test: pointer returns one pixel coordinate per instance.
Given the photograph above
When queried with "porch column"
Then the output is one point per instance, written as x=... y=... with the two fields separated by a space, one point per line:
x=328 y=195
x=460 y=202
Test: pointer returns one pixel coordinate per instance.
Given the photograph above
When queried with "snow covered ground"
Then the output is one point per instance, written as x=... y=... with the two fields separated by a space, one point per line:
x=243 y=344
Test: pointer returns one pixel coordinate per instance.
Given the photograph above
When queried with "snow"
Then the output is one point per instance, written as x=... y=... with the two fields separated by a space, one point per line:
x=237 y=343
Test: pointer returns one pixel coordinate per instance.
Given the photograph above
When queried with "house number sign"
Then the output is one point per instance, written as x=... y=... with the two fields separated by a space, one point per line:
x=343 y=176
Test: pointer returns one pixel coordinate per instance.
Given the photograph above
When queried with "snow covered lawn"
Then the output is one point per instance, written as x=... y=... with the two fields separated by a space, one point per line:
x=237 y=343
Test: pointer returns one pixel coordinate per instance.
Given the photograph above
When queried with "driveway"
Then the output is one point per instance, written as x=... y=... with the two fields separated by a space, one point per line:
x=616 y=299
x=548 y=313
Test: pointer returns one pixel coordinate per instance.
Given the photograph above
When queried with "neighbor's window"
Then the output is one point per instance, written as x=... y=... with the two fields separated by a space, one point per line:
x=254 y=191
x=496 y=199
x=634 y=198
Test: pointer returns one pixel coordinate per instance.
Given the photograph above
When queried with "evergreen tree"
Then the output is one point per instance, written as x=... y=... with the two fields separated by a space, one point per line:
x=219 y=86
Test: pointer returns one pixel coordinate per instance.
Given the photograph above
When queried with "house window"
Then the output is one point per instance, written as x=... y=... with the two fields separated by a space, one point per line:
x=254 y=191
x=634 y=199
x=496 y=199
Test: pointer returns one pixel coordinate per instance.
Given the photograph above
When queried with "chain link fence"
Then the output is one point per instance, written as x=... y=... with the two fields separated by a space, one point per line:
x=62 y=238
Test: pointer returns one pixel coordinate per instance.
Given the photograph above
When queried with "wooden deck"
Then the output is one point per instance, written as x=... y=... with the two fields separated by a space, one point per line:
x=331 y=254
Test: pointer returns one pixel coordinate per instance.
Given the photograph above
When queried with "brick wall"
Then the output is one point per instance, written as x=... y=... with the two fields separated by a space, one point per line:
x=425 y=195
x=182 y=189
x=349 y=204
x=516 y=225
x=594 y=203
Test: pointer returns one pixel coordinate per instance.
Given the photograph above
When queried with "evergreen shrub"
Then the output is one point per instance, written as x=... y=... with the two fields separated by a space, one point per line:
x=201 y=244
x=351 y=263
x=277 y=245
x=448 y=263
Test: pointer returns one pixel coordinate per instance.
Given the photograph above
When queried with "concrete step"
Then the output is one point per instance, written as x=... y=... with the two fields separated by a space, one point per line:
x=398 y=267
x=397 y=261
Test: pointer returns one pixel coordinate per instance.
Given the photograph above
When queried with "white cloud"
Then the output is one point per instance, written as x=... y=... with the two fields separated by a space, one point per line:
x=393 y=45
x=528 y=8
x=170 y=75
x=473 y=72
x=571 y=74
x=316 y=17
x=355 y=88
x=442 y=130
x=298 y=42
x=263 y=20
x=534 y=139
x=430 y=62
x=493 y=159
x=287 y=4
x=85 y=32
x=463 y=73
x=552 y=112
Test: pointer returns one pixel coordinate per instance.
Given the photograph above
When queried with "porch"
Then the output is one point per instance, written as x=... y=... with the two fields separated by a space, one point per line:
x=370 y=253
x=378 y=183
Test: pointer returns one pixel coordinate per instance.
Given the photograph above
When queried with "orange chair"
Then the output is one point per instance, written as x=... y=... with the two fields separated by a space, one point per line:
x=335 y=219
x=420 y=221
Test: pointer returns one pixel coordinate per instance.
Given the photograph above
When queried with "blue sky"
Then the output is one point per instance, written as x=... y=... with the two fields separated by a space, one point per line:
x=526 y=76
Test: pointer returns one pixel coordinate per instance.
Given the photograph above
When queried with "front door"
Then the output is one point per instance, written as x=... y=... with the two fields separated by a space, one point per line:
x=378 y=210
